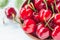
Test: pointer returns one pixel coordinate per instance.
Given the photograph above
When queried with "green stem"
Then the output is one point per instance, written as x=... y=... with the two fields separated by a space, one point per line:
x=50 y=19
x=16 y=20
x=47 y=25
x=55 y=5
x=52 y=15
x=52 y=8
x=46 y=4
x=33 y=7
x=28 y=2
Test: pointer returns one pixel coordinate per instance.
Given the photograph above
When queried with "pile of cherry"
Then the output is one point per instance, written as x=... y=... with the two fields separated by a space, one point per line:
x=39 y=17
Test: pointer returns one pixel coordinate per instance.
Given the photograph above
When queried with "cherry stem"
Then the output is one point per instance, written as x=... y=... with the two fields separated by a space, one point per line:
x=50 y=28
x=14 y=18
x=46 y=4
x=47 y=24
x=55 y=5
x=28 y=2
x=30 y=5
x=33 y=7
x=52 y=8
x=51 y=17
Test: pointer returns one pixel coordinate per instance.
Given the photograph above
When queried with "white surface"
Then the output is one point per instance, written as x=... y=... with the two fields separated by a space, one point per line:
x=10 y=30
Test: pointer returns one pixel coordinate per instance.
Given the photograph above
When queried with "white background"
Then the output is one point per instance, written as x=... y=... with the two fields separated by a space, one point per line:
x=10 y=30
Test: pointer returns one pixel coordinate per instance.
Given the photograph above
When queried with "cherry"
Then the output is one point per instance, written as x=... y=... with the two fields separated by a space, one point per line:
x=57 y=1
x=44 y=15
x=10 y=12
x=56 y=33
x=26 y=12
x=29 y=26
x=36 y=17
x=52 y=24
x=39 y=4
x=57 y=19
x=42 y=31
x=49 y=2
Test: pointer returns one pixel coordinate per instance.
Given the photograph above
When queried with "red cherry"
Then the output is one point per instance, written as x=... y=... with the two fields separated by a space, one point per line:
x=57 y=1
x=29 y=21
x=57 y=19
x=42 y=31
x=56 y=33
x=36 y=17
x=30 y=26
x=45 y=15
x=52 y=24
x=10 y=12
x=49 y=2
x=39 y=4
x=26 y=13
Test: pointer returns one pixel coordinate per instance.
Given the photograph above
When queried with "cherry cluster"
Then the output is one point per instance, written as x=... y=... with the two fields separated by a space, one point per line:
x=40 y=18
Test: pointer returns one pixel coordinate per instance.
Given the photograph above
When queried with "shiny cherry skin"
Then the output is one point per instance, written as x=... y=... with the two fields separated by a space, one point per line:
x=39 y=4
x=56 y=33
x=29 y=26
x=36 y=17
x=45 y=15
x=10 y=12
x=57 y=19
x=57 y=1
x=49 y=2
x=26 y=12
x=52 y=24
x=42 y=31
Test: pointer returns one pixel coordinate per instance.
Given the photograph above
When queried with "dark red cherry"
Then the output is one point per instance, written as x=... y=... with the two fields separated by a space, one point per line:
x=56 y=33
x=45 y=15
x=42 y=31
x=39 y=4
x=26 y=13
x=57 y=19
x=29 y=26
x=57 y=1
x=52 y=24
x=36 y=17
x=10 y=12
x=50 y=1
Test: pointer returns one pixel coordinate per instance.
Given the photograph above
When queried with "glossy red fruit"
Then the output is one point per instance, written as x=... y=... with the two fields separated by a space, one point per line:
x=36 y=17
x=57 y=19
x=45 y=15
x=10 y=12
x=57 y=1
x=56 y=33
x=42 y=31
x=39 y=4
x=52 y=24
x=26 y=13
x=50 y=1
x=29 y=26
